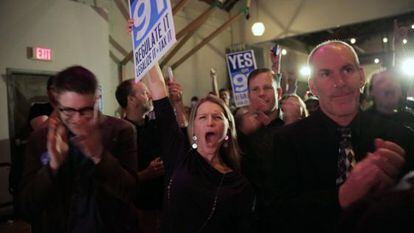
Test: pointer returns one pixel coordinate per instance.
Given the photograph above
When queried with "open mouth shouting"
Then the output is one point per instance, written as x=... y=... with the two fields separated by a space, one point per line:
x=212 y=138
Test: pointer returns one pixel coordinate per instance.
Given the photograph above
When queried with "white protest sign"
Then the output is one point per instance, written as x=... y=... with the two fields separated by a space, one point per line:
x=239 y=65
x=153 y=32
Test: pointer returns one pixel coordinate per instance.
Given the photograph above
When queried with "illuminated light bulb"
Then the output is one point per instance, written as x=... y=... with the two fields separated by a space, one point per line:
x=258 y=29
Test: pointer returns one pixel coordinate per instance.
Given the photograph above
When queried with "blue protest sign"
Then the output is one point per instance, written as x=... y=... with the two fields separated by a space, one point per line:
x=153 y=32
x=239 y=65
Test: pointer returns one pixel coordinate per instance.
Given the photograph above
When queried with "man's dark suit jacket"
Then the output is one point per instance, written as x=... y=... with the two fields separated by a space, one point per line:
x=306 y=157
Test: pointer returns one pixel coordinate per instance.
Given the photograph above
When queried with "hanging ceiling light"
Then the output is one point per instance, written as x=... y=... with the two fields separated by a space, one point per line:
x=258 y=27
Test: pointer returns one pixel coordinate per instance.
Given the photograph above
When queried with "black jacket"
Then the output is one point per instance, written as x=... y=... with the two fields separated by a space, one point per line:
x=306 y=154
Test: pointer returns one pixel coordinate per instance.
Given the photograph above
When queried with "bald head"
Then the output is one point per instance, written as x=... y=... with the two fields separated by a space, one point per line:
x=335 y=45
x=336 y=78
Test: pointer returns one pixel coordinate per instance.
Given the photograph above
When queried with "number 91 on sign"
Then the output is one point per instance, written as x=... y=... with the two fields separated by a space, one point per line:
x=145 y=13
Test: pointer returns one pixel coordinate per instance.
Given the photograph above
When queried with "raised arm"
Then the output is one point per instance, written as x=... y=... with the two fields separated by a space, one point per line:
x=171 y=138
x=156 y=83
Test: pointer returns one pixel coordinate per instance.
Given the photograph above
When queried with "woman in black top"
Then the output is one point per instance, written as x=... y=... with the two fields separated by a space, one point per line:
x=205 y=191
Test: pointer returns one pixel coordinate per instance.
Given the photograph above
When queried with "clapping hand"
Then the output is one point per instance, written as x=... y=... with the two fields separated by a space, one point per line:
x=154 y=169
x=250 y=121
x=376 y=173
x=57 y=142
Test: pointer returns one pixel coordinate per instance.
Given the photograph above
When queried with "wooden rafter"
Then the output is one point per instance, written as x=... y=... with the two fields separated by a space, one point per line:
x=116 y=45
x=206 y=40
x=178 y=6
x=176 y=48
x=196 y=23
x=187 y=32
x=122 y=9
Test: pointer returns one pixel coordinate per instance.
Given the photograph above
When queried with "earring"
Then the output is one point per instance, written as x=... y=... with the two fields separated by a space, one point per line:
x=226 y=143
x=194 y=145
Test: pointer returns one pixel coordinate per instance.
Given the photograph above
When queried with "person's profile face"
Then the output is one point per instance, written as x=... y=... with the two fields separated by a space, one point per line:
x=336 y=79
x=141 y=97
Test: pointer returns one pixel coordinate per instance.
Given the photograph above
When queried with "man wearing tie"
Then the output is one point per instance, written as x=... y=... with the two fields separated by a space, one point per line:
x=338 y=155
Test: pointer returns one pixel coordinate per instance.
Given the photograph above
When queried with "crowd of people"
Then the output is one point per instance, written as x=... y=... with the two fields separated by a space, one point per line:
x=281 y=164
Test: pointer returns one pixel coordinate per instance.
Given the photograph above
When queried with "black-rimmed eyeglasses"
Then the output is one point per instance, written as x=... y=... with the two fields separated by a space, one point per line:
x=69 y=112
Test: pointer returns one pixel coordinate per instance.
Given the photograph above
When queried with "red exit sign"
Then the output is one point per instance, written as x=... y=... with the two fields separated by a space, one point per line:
x=43 y=54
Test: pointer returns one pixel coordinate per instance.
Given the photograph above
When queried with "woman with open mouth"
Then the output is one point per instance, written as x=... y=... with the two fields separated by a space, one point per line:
x=205 y=191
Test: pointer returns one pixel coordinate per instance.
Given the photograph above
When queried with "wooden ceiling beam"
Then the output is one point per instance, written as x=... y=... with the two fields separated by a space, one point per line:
x=207 y=39
x=178 y=6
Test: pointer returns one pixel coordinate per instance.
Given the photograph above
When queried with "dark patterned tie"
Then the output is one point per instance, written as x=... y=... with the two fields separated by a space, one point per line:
x=346 y=159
